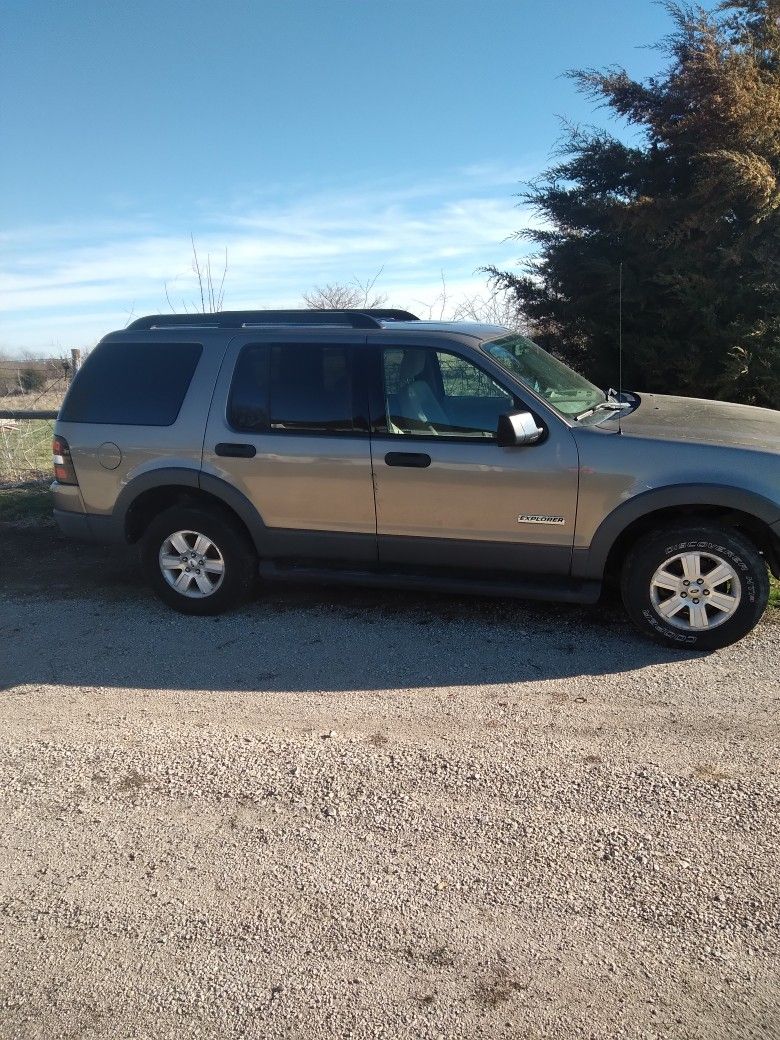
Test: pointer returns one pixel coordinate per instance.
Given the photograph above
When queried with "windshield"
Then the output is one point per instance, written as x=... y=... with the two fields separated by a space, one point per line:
x=566 y=390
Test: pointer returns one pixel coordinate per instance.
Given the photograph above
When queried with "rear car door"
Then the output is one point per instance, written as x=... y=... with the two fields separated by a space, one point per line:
x=288 y=428
x=447 y=494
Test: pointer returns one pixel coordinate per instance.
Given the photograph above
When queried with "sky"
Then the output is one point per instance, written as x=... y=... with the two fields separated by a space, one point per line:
x=317 y=141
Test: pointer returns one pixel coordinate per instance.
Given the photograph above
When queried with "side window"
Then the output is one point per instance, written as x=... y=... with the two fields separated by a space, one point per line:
x=438 y=394
x=311 y=388
x=248 y=400
x=132 y=384
x=462 y=379
x=292 y=386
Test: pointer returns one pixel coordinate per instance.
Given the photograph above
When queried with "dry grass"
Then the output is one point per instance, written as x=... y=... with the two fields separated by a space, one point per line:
x=48 y=399
x=25 y=451
x=25 y=444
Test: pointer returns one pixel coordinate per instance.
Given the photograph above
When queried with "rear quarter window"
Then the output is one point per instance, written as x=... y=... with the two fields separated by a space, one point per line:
x=132 y=384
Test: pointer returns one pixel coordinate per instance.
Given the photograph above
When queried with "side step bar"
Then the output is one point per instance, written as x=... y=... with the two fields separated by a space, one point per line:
x=560 y=590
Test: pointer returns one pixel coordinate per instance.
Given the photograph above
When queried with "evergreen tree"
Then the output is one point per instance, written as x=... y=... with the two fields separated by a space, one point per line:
x=692 y=211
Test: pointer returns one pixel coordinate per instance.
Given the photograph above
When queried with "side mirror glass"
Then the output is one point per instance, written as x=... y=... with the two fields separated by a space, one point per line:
x=516 y=429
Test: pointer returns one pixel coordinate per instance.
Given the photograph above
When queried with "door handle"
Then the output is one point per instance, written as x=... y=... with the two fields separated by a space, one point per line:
x=415 y=459
x=236 y=451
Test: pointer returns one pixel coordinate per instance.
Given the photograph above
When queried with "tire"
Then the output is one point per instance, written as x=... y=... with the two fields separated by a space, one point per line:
x=204 y=588
x=672 y=599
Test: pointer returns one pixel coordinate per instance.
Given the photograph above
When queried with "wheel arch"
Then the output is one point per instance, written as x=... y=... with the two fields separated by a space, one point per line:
x=747 y=512
x=150 y=493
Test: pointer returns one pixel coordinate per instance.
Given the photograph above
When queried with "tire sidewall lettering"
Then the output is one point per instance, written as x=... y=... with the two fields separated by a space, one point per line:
x=676 y=637
x=657 y=547
x=746 y=578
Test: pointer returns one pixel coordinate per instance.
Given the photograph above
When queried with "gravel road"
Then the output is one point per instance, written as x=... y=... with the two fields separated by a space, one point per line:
x=366 y=815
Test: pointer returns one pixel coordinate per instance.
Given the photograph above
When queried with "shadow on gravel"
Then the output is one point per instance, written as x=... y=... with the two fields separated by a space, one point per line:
x=80 y=615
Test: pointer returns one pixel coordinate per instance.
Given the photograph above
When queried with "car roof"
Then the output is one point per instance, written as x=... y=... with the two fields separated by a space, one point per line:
x=476 y=329
x=374 y=319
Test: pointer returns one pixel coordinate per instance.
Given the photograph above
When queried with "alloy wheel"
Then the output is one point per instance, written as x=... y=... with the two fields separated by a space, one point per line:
x=695 y=591
x=192 y=564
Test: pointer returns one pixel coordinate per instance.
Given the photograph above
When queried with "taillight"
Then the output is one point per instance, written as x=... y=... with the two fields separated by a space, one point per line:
x=63 y=463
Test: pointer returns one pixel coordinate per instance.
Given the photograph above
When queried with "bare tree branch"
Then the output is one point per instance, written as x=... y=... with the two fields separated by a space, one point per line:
x=495 y=308
x=352 y=295
x=221 y=295
x=196 y=269
x=212 y=297
x=130 y=314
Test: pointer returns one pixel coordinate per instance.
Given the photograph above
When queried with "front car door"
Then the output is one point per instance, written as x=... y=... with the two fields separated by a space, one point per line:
x=288 y=429
x=447 y=494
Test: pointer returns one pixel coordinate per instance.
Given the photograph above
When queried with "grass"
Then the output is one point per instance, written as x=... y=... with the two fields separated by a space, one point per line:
x=48 y=400
x=30 y=503
x=774 y=593
x=25 y=450
x=25 y=446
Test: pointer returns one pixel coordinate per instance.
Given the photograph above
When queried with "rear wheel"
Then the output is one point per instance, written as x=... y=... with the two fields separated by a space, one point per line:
x=699 y=586
x=198 y=560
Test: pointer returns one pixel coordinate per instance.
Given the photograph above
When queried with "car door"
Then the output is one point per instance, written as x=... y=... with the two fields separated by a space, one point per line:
x=288 y=429
x=447 y=494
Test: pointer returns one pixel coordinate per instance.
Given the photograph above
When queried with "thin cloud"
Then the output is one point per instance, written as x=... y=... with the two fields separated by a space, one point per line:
x=68 y=280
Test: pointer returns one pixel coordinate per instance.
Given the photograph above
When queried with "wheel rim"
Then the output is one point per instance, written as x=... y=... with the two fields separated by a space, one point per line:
x=192 y=564
x=695 y=591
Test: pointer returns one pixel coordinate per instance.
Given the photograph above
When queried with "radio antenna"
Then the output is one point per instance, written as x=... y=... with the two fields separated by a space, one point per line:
x=620 y=339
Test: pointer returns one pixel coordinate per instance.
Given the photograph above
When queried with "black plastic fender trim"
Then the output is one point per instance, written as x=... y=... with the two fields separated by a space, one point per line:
x=589 y=562
x=240 y=505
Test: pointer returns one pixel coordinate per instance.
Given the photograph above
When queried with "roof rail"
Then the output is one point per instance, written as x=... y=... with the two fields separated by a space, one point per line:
x=371 y=318
x=390 y=314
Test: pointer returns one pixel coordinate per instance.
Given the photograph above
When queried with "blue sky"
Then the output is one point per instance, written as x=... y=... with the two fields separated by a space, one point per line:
x=316 y=140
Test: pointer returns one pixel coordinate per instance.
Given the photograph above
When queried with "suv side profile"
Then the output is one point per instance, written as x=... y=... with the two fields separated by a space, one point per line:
x=372 y=447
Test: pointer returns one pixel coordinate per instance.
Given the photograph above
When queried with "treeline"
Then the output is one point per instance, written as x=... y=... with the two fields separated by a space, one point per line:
x=683 y=223
x=691 y=211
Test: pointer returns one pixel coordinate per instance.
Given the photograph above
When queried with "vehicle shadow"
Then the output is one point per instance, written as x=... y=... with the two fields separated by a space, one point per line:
x=81 y=616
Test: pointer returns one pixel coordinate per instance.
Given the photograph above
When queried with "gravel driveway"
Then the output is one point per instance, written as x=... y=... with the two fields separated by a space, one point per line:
x=375 y=815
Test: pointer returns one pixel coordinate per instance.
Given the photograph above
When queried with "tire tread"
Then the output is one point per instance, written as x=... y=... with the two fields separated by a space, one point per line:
x=652 y=548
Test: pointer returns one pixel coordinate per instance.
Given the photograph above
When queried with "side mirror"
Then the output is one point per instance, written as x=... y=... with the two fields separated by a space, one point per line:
x=516 y=429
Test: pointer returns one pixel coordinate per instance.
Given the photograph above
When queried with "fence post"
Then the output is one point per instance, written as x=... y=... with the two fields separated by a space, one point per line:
x=75 y=362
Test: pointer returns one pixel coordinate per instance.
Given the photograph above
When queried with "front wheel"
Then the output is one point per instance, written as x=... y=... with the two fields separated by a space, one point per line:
x=198 y=560
x=698 y=586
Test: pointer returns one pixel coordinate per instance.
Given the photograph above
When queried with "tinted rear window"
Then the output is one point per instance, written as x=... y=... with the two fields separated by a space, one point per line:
x=302 y=387
x=132 y=384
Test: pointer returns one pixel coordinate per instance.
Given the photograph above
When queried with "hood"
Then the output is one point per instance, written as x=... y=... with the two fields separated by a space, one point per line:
x=696 y=421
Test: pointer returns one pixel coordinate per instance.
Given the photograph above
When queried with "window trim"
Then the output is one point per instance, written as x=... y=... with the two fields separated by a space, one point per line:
x=432 y=438
x=357 y=386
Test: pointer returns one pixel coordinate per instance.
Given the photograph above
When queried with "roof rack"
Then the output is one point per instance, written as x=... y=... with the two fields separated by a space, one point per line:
x=390 y=314
x=370 y=318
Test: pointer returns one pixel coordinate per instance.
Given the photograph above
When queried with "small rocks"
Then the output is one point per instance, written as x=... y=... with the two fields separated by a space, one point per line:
x=574 y=873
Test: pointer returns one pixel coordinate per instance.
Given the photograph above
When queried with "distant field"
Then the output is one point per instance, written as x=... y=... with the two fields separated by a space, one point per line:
x=47 y=400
